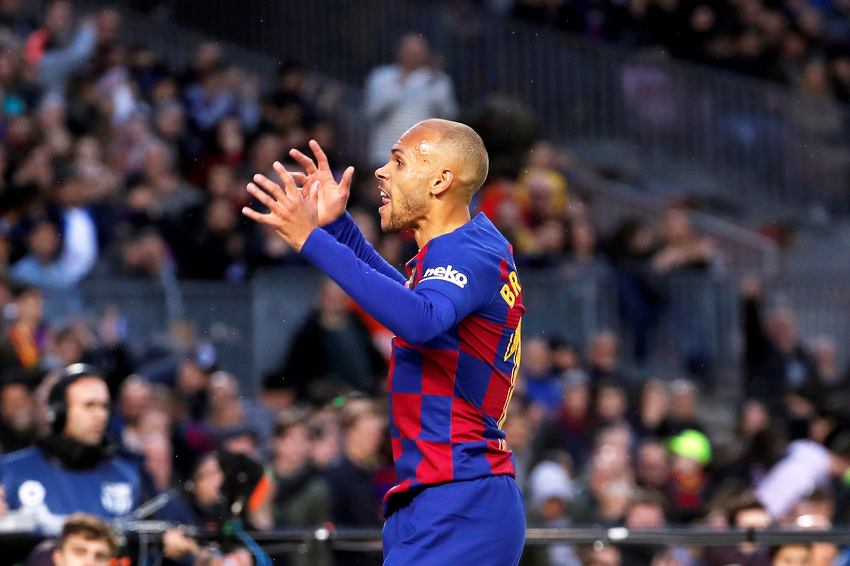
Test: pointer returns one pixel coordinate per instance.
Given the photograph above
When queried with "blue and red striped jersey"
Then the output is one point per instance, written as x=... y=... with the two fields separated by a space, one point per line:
x=449 y=395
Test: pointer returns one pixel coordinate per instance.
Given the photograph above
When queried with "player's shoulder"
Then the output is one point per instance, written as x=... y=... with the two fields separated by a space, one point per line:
x=477 y=238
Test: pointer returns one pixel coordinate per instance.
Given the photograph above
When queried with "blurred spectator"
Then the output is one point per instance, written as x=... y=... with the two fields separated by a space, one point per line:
x=759 y=445
x=682 y=410
x=791 y=555
x=355 y=501
x=652 y=470
x=302 y=495
x=51 y=51
x=173 y=196
x=332 y=352
x=219 y=480
x=229 y=408
x=776 y=364
x=645 y=511
x=134 y=403
x=25 y=338
x=599 y=555
x=214 y=249
x=639 y=297
x=744 y=512
x=682 y=249
x=159 y=460
x=832 y=381
x=204 y=491
x=409 y=91
x=611 y=406
x=215 y=97
x=691 y=453
x=565 y=356
x=604 y=360
x=542 y=180
x=18 y=426
x=573 y=428
x=542 y=384
x=653 y=407
x=550 y=496
x=606 y=490
x=85 y=540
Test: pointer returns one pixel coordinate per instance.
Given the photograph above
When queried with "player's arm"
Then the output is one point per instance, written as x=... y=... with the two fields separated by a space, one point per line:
x=348 y=234
x=415 y=316
x=455 y=281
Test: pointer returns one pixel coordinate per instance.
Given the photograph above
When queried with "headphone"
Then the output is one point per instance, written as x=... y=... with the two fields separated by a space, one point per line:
x=57 y=401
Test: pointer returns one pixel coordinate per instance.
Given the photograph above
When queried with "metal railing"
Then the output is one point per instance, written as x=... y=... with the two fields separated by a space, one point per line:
x=698 y=129
x=253 y=323
x=304 y=540
x=743 y=251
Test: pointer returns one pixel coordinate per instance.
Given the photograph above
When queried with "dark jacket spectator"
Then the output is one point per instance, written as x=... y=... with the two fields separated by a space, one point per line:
x=775 y=361
x=331 y=350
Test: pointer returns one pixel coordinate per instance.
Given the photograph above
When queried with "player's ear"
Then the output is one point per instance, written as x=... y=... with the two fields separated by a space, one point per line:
x=442 y=181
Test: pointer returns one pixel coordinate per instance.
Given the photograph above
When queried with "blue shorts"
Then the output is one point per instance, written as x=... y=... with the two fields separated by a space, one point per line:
x=479 y=522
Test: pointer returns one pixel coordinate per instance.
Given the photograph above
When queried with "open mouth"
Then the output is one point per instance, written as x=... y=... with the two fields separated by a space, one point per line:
x=385 y=199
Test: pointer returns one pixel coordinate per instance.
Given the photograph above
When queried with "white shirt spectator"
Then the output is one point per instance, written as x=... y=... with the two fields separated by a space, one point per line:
x=400 y=95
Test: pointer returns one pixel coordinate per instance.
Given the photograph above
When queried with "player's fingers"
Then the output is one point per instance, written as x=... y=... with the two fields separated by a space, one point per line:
x=270 y=186
x=346 y=177
x=303 y=160
x=291 y=192
x=254 y=215
x=282 y=172
x=262 y=196
x=314 y=192
x=321 y=158
x=300 y=178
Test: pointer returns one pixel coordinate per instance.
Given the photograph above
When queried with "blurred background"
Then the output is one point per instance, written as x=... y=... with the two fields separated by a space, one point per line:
x=674 y=176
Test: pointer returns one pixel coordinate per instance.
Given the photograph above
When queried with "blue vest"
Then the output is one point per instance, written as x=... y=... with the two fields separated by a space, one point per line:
x=111 y=489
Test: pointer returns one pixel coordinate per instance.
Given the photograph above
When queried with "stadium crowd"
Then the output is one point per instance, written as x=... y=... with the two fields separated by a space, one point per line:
x=800 y=44
x=114 y=164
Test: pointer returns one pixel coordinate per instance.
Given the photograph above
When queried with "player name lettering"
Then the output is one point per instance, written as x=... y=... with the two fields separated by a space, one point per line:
x=445 y=274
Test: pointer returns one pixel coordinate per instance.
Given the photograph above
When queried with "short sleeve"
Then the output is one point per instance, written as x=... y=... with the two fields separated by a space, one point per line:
x=464 y=273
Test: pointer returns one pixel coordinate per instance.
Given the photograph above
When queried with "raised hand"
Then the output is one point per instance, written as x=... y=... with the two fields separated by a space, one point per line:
x=332 y=196
x=291 y=214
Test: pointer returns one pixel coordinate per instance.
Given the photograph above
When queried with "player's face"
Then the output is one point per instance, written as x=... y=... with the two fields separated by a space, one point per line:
x=88 y=410
x=404 y=180
x=80 y=551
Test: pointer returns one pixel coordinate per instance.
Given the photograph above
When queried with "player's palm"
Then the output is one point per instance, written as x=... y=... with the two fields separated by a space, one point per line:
x=331 y=197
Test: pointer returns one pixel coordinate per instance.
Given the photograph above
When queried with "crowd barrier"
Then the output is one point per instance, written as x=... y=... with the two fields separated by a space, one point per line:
x=304 y=540
x=252 y=323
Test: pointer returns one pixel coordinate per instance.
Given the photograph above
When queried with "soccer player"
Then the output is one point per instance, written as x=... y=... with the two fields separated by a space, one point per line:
x=456 y=319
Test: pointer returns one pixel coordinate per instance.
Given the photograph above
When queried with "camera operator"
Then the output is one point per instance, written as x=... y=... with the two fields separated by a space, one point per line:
x=74 y=468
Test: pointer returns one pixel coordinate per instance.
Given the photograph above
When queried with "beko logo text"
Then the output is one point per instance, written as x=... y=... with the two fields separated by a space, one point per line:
x=445 y=274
